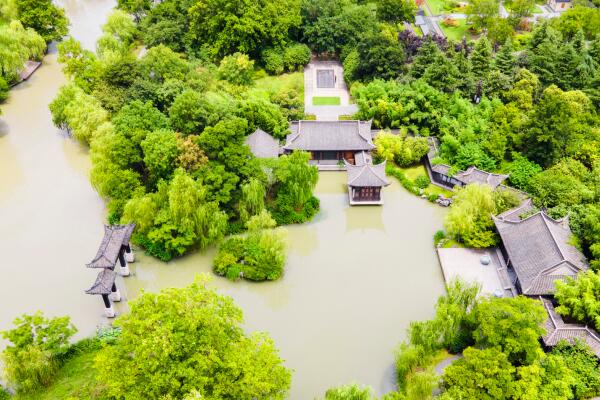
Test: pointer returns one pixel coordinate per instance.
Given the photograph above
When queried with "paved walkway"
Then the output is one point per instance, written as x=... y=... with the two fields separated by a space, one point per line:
x=339 y=89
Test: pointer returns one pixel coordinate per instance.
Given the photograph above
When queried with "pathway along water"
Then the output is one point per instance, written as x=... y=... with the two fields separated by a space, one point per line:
x=355 y=277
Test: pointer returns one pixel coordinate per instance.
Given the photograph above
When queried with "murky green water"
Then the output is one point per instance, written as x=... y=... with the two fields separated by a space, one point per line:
x=354 y=279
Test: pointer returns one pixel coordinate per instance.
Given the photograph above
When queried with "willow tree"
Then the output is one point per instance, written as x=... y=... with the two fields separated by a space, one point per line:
x=17 y=45
x=176 y=218
x=469 y=219
x=253 y=199
x=297 y=179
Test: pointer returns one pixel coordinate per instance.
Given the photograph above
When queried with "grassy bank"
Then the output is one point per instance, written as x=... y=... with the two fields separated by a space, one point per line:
x=408 y=176
x=75 y=380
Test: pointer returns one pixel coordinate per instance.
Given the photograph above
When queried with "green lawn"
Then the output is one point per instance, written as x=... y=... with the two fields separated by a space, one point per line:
x=269 y=85
x=413 y=172
x=76 y=380
x=456 y=32
x=325 y=101
x=437 y=6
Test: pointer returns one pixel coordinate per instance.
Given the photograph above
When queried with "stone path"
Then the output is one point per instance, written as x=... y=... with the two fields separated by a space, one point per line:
x=339 y=89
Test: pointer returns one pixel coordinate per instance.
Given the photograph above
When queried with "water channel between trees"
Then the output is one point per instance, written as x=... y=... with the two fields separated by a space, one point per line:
x=355 y=276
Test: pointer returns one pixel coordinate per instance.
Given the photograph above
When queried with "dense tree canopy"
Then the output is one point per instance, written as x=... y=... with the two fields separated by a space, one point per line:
x=202 y=348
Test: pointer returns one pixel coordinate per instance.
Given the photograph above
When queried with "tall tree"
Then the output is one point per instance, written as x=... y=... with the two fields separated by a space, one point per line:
x=505 y=60
x=44 y=17
x=513 y=324
x=481 y=59
x=224 y=27
x=395 y=11
x=481 y=12
x=202 y=346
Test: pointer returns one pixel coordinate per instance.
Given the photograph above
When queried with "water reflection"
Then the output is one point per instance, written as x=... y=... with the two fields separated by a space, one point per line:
x=347 y=295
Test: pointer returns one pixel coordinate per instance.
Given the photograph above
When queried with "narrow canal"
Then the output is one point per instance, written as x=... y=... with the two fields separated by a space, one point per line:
x=355 y=277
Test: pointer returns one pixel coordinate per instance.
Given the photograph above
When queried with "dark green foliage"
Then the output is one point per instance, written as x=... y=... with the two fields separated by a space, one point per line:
x=191 y=111
x=584 y=365
x=4 y=395
x=224 y=27
x=295 y=56
x=380 y=57
x=522 y=171
x=259 y=256
x=285 y=213
x=336 y=27
x=44 y=17
x=264 y=115
x=422 y=181
x=395 y=11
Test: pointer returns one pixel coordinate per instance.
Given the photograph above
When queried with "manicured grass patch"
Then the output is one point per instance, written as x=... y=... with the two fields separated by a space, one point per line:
x=411 y=173
x=457 y=32
x=437 y=6
x=75 y=380
x=275 y=84
x=325 y=101
x=414 y=171
x=433 y=189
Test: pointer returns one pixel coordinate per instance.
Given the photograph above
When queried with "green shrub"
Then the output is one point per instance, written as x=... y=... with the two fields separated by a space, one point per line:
x=37 y=346
x=296 y=56
x=404 y=181
x=4 y=395
x=521 y=171
x=422 y=181
x=237 y=69
x=439 y=236
x=258 y=256
x=272 y=60
x=432 y=197
x=285 y=214
x=3 y=91
x=350 y=392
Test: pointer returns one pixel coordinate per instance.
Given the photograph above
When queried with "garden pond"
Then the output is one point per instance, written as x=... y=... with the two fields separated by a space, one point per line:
x=354 y=279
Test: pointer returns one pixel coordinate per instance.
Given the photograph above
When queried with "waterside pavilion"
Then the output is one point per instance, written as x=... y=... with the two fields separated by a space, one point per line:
x=365 y=181
x=114 y=247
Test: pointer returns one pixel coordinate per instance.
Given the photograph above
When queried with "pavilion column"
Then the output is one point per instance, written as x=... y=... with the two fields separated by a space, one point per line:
x=115 y=294
x=109 y=311
x=124 y=266
x=129 y=256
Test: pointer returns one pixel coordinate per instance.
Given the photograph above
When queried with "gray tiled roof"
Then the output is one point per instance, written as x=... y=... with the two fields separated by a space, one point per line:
x=557 y=330
x=367 y=175
x=104 y=282
x=539 y=251
x=263 y=145
x=114 y=237
x=475 y=175
x=362 y=158
x=514 y=214
x=329 y=136
x=441 y=168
